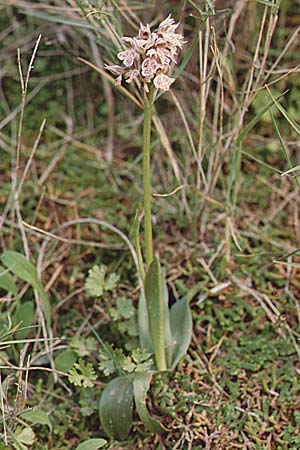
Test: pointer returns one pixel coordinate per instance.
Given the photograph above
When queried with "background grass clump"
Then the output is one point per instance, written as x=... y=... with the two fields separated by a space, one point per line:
x=226 y=219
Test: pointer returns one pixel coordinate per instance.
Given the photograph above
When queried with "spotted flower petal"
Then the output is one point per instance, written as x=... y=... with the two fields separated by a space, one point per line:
x=163 y=82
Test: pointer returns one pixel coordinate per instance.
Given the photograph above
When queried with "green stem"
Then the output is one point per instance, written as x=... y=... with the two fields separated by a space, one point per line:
x=148 y=107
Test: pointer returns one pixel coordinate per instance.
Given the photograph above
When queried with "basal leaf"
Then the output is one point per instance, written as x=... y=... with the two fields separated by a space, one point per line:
x=92 y=444
x=141 y=385
x=20 y=266
x=65 y=360
x=7 y=283
x=115 y=407
x=24 y=314
x=182 y=328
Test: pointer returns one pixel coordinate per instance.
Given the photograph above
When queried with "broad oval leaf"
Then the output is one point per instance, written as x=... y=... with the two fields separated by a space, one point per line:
x=24 y=269
x=92 y=444
x=37 y=416
x=181 y=328
x=115 y=407
x=65 y=360
x=7 y=283
x=141 y=385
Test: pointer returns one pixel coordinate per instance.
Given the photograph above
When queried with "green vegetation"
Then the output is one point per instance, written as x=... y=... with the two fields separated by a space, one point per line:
x=74 y=337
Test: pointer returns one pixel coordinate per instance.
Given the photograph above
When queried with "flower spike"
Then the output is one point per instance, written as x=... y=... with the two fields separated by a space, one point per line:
x=147 y=58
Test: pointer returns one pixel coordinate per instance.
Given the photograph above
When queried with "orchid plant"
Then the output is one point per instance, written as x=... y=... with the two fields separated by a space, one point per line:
x=147 y=60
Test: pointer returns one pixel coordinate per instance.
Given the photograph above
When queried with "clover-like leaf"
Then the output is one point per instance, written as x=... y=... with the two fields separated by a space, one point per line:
x=111 y=282
x=96 y=282
x=83 y=346
x=125 y=307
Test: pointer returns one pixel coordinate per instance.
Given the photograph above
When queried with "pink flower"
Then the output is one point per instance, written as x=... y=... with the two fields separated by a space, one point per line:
x=131 y=75
x=149 y=67
x=127 y=56
x=163 y=82
x=148 y=57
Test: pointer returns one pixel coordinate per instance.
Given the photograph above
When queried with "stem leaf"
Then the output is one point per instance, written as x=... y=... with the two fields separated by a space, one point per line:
x=154 y=300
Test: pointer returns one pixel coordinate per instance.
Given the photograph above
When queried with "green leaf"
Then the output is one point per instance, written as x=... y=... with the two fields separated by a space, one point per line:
x=167 y=326
x=7 y=283
x=181 y=328
x=37 y=416
x=23 y=268
x=283 y=147
x=25 y=315
x=256 y=119
x=111 y=282
x=125 y=307
x=65 y=360
x=143 y=325
x=96 y=283
x=107 y=367
x=82 y=374
x=60 y=19
x=115 y=407
x=285 y=114
x=154 y=301
x=92 y=444
x=141 y=385
x=83 y=346
x=24 y=436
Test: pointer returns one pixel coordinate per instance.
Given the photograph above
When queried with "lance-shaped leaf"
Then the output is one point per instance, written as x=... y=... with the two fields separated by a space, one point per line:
x=115 y=407
x=92 y=444
x=141 y=385
x=154 y=300
x=24 y=316
x=143 y=325
x=7 y=283
x=25 y=270
x=182 y=328
x=167 y=326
